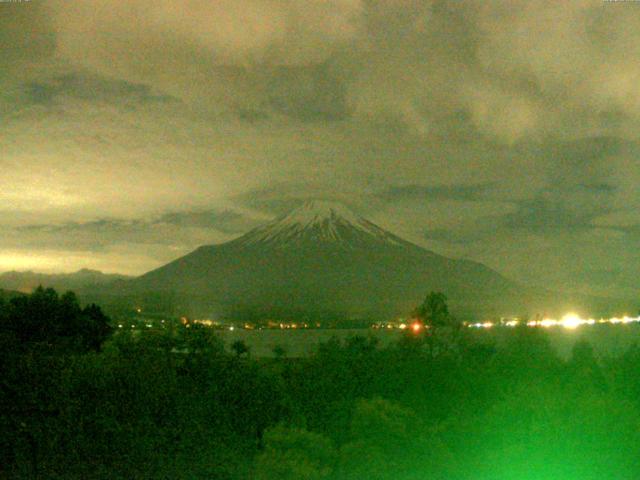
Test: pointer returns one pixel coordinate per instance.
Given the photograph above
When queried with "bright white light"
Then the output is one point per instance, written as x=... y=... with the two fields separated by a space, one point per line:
x=548 y=322
x=571 y=321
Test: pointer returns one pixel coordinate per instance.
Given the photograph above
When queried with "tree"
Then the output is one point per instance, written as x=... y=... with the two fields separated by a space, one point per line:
x=544 y=430
x=434 y=310
x=294 y=453
x=199 y=339
x=46 y=319
x=584 y=369
x=240 y=348
x=388 y=441
x=94 y=327
x=279 y=352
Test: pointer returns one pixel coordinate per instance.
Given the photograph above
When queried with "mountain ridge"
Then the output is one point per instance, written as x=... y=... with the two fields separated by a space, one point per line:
x=26 y=281
x=320 y=257
x=320 y=261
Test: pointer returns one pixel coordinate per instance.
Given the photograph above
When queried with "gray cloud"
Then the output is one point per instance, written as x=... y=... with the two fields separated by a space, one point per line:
x=132 y=246
x=439 y=192
x=182 y=229
x=90 y=87
x=542 y=214
x=434 y=65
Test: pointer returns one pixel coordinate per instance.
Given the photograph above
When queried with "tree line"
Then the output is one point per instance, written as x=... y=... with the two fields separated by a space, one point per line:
x=80 y=401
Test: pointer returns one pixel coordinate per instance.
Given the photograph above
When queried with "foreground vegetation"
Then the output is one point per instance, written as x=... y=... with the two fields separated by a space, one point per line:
x=77 y=402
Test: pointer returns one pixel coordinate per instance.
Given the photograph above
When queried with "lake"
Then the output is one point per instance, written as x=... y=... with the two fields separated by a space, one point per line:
x=607 y=340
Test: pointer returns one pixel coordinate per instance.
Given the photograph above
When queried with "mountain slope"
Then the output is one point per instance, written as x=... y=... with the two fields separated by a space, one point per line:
x=321 y=260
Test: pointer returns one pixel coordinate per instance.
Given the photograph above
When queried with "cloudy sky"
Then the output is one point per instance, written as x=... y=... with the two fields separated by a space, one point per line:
x=506 y=132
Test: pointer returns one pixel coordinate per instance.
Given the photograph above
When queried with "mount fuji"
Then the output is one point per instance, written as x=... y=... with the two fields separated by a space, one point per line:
x=323 y=261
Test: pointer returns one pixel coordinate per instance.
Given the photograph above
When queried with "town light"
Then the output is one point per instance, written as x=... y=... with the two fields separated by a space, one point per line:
x=571 y=321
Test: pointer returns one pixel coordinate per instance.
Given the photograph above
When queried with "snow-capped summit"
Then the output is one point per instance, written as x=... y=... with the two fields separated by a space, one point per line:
x=319 y=220
x=314 y=212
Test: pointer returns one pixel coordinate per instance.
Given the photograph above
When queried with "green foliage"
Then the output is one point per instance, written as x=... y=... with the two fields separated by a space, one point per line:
x=389 y=441
x=383 y=423
x=547 y=431
x=174 y=404
x=279 y=352
x=46 y=320
x=240 y=348
x=293 y=454
x=198 y=339
x=527 y=355
x=434 y=310
x=381 y=434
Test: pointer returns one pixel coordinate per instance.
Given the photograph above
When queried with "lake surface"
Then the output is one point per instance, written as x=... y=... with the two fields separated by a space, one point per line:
x=607 y=340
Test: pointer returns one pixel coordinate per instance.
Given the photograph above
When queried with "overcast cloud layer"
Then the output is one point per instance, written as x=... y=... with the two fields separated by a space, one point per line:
x=507 y=132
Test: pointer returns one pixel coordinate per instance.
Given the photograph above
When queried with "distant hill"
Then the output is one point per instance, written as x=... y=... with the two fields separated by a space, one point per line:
x=6 y=295
x=323 y=261
x=83 y=279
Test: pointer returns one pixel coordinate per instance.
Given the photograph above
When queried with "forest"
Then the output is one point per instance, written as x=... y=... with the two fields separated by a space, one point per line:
x=79 y=400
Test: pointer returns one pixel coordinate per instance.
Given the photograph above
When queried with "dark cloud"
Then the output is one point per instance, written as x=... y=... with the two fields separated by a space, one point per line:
x=457 y=237
x=565 y=210
x=439 y=192
x=185 y=228
x=40 y=93
x=608 y=277
x=631 y=230
x=226 y=221
x=435 y=66
x=90 y=87
x=542 y=215
x=308 y=93
x=25 y=35
x=281 y=197
x=599 y=188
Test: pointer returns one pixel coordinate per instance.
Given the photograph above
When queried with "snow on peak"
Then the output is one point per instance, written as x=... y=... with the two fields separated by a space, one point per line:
x=317 y=212
x=321 y=221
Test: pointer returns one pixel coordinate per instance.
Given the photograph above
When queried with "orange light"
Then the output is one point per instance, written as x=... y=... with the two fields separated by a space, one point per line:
x=416 y=327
